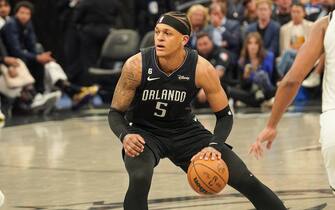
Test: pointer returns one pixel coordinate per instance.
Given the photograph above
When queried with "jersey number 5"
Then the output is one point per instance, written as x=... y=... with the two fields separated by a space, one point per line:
x=161 y=109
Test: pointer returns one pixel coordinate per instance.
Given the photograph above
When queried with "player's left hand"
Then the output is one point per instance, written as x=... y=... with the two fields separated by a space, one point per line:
x=207 y=153
x=267 y=135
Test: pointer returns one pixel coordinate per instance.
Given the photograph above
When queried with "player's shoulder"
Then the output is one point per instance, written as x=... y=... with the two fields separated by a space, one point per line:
x=322 y=23
x=132 y=69
x=203 y=64
x=133 y=63
x=134 y=60
x=204 y=71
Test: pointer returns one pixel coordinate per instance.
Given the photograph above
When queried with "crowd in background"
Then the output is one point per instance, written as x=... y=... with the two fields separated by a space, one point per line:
x=48 y=46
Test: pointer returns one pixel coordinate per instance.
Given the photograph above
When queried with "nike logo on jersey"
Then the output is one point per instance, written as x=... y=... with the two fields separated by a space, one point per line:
x=152 y=78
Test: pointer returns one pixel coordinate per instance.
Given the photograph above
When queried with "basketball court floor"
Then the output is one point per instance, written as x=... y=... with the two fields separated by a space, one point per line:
x=75 y=164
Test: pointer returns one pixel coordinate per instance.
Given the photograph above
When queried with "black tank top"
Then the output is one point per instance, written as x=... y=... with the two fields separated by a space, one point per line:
x=163 y=101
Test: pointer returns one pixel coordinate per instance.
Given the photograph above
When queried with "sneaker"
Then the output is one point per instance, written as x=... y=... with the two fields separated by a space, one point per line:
x=2 y=120
x=2 y=198
x=45 y=102
x=259 y=95
x=84 y=96
x=313 y=80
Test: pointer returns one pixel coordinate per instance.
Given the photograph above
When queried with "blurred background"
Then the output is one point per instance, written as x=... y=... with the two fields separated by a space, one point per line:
x=59 y=57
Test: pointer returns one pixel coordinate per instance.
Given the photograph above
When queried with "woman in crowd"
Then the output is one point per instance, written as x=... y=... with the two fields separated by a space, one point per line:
x=256 y=67
x=199 y=18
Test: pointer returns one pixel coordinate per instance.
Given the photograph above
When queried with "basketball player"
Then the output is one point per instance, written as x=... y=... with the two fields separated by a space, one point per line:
x=155 y=90
x=321 y=40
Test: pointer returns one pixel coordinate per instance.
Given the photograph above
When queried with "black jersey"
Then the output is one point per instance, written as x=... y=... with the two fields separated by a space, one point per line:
x=163 y=101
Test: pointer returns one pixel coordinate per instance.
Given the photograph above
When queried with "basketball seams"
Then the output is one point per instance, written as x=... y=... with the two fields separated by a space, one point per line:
x=213 y=171
x=195 y=170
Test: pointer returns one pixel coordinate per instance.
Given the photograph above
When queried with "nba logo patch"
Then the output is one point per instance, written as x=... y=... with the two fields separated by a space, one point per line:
x=161 y=19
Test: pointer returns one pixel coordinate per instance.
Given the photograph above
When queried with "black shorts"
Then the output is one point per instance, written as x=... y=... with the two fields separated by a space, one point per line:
x=179 y=145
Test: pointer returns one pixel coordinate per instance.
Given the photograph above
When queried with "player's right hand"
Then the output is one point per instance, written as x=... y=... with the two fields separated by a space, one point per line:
x=133 y=144
x=267 y=135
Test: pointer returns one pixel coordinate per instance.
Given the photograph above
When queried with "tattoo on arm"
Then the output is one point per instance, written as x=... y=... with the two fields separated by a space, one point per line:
x=129 y=80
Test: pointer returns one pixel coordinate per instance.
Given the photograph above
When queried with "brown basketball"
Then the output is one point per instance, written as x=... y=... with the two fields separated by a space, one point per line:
x=207 y=177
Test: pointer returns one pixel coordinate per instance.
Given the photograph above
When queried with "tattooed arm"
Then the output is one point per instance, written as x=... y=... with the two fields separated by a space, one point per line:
x=133 y=144
x=126 y=87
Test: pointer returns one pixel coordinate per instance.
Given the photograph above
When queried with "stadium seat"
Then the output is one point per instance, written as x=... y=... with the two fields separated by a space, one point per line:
x=119 y=45
x=147 y=40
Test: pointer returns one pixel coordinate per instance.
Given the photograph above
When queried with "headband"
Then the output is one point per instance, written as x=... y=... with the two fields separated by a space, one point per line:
x=174 y=23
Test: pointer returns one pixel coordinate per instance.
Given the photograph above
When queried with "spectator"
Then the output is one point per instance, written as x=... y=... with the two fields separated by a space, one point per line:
x=250 y=15
x=20 y=87
x=148 y=12
x=70 y=36
x=217 y=56
x=312 y=9
x=282 y=11
x=314 y=78
x=224 y=32
x=267 y=28
x=292 y=36
x=235 y=9
x=326 y=7
x=199 y=18
x=93 y=19
x=256 y=65
x=4 y=12
x=20 y=40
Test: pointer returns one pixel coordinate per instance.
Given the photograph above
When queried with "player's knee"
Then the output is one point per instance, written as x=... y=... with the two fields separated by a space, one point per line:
x=249 y=180
x=139 y=172
x=141 y=176
x=243 y=179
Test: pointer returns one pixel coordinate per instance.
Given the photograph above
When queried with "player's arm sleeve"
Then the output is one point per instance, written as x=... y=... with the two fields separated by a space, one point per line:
x=224 y=124
x=118 y=123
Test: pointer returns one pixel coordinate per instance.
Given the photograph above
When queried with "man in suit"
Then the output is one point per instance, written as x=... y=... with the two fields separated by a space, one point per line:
x=225 y=32
x=268 y=29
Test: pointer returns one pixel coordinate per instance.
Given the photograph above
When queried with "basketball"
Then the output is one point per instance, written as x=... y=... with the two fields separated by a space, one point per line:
x=207 y=177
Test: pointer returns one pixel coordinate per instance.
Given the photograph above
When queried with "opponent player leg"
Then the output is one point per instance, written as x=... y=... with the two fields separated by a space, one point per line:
x=140 y=171
x=328 y=154
x=327 y=133
x=246 y=183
